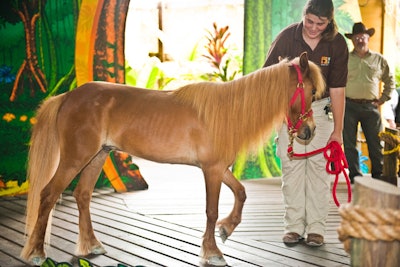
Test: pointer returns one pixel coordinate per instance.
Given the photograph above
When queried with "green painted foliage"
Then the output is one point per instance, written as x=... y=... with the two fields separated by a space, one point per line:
x=257 y=33
x=54 y=44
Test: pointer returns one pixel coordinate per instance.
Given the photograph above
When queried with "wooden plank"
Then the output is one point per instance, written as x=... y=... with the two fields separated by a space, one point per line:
x=111 y=210
x=7 y=259
x=163 y=226
x=167 y=236
x=9 y=249
x=263 y=207
x=63 y=242
x=234 y=234
x=17 y=236
x=300 y=253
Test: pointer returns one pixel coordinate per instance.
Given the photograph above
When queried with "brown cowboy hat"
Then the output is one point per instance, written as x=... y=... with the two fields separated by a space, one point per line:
x=359 y=27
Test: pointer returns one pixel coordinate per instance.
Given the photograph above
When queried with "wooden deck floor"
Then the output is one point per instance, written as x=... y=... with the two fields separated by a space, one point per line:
x=163 y=225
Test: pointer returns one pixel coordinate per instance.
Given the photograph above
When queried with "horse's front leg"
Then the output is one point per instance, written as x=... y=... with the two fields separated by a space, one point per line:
x=210 y=254
x=228 y=224
x=87 y=242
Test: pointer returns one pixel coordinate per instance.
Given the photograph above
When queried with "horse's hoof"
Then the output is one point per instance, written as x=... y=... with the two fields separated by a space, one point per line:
x=223 y=234
x=37 y=261
x=98 y=250
x=213 y=261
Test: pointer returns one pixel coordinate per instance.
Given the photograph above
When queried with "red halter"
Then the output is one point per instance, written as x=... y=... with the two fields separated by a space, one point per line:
x=333 y=153
x=292 y=129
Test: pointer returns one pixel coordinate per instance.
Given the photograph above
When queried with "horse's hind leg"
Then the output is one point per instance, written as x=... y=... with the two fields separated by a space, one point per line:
x=65 y=173
x=88 y=243
x=228 y=224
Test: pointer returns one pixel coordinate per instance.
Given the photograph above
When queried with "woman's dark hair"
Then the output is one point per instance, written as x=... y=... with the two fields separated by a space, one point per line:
x=323 y=8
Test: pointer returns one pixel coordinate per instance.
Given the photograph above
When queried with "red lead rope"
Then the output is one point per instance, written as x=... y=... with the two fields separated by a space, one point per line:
x=336 y=164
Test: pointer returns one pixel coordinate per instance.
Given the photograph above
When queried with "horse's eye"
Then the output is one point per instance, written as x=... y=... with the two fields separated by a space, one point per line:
x=314 y=91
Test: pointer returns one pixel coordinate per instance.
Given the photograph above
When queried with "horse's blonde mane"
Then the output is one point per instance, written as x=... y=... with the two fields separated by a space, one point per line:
x=240 y=114
x=317 y=79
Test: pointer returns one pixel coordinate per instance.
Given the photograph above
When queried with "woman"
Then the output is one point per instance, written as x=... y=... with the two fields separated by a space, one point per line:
x=305 y=182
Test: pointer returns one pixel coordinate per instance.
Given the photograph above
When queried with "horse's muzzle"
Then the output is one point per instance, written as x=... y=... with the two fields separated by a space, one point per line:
x=306 y=132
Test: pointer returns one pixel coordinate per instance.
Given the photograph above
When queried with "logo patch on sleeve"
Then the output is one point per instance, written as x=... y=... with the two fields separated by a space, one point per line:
x=325 y=61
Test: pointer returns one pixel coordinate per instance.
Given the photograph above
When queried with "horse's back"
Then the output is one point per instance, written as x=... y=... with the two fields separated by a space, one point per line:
x=146 y=123
x=102 y=98
x=101 y=93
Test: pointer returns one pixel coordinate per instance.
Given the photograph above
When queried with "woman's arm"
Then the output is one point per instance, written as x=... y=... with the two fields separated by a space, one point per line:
x=338 y=105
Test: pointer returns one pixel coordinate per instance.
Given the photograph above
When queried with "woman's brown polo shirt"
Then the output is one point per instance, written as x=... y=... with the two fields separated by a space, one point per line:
x=331 y=56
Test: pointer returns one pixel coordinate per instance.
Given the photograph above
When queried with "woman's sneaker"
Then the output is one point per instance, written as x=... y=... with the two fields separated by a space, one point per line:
x=292 y=238
x=315 y=240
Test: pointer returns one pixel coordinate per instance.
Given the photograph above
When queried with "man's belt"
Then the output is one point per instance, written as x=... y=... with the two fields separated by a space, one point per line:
x=360 y=101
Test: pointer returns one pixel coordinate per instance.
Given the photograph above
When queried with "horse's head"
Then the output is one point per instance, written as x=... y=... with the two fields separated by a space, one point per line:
x=309 y=84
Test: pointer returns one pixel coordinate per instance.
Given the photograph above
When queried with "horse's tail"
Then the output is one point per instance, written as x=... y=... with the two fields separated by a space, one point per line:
x=43 y=157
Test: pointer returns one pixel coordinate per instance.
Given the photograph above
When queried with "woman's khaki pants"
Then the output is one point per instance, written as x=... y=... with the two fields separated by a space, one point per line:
x=305 y=182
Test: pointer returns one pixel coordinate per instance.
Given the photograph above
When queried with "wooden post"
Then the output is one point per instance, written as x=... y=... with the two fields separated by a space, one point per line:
x=390 y=161
x=373 y=193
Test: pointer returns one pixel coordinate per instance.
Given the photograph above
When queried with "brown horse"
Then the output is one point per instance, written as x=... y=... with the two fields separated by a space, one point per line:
x=203 y=124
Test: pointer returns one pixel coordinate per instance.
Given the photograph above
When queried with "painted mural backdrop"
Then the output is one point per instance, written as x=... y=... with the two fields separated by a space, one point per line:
x=100 y=41
x=36 y=60
x=50 y=47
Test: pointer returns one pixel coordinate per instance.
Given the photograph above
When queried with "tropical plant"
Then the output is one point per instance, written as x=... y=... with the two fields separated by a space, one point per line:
x=217 y=54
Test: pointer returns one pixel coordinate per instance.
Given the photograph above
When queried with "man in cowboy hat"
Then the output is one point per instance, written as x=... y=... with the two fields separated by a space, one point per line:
x=366 y=69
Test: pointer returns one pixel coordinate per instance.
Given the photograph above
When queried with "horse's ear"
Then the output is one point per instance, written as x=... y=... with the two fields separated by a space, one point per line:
x=303 y=61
